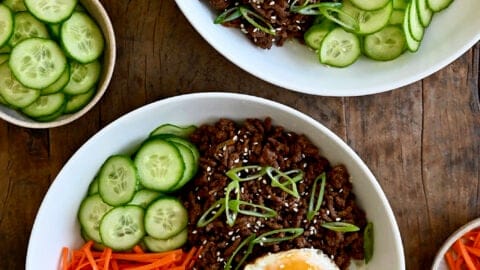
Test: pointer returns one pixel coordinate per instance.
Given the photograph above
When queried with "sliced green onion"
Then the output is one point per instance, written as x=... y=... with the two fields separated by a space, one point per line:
x=314 y=9
x=248 y=241
x=290 y=233
x=236 y=174
x=228 y=15
x=352 y=23
x=231 y=213
x=313 y=208
x=212 y=213
x=251 y=17
x=289 y=186
x=298 y=175
x=368 y=240
x=264 y=212
x=340 y=226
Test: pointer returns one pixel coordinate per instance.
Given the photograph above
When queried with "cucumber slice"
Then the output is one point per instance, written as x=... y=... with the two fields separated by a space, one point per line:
x=369 y=4
x=397 y=16
x=425 y=14
x=4 y=58
x=51 y=11
x=171 y=129
x=122 y=227
x=412 y=44
x=52 y=116
x=82 y=38
x=13 y=91
x=414 y=24
x=37 y=62
x=15 y=5
x=369 y=21
x=160 y=164
x=314 y=35
x=386 y=44
x=165 y=218
x=117 y=180
x=339 y=48
x=54 y=30
x=159 y=245
x=93 y=187
x=400 y=4
x=6 y=24
x=91 y=211
x=83 y=77
x=58 y=84
x=438 y=5
x=144 y=197
x=77 y=102
x=6 y=49
x=3 y=101
x=45 y=105
x=190 y=166
x=26 y=26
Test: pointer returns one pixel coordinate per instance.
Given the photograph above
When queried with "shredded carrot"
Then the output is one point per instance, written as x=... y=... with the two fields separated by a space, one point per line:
x=86 y=258
x=465 y=252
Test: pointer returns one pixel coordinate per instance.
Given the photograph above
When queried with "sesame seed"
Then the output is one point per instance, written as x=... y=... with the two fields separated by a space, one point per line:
x=338 y=219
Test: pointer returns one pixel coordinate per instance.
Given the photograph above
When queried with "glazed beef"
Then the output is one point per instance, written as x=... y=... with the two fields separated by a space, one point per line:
x=288 y=25
x=227 y=144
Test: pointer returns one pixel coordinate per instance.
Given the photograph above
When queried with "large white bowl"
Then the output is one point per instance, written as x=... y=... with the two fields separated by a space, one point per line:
x=56 y=223
x=451 y=33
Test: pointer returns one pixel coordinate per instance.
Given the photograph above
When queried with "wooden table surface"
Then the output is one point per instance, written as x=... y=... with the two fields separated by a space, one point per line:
x=422 y=141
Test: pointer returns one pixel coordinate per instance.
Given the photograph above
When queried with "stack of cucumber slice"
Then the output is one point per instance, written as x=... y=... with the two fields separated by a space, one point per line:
x=49 y=57
x=385 y=30
x=131 y=201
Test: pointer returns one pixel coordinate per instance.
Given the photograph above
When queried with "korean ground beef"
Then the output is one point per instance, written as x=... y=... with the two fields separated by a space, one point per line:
x=288 y=25
x=227 y=144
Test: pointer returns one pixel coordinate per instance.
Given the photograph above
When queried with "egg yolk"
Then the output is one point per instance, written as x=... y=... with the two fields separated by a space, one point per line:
x=290 y=263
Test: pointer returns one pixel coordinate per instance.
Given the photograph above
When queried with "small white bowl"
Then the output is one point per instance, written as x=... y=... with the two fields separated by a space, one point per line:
x=439 y=263
x=98 y=13
x=61 y=202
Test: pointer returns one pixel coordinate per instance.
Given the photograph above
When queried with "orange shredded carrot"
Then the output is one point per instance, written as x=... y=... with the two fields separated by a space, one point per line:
x=465 y=252
x=138 y=249
x=86 y=258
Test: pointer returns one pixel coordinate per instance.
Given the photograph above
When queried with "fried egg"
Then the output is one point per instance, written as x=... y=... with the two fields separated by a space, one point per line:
x=294 y=259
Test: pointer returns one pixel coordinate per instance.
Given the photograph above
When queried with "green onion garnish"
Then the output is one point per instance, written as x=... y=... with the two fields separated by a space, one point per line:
x=368 y=240
x=251 y=17
x=231 y=213
x=250 y=243
x=313 y=208
x=340 y=226
x=314 y=9
x=212 y=213
x=351 y=23
x=228 y=15
x=330 y=11
x=289 y=185
x=246 y=173
x=283 y=235
x=265 y=212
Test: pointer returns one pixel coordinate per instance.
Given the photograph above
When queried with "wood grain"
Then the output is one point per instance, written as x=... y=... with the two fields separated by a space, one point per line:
x=422 y=141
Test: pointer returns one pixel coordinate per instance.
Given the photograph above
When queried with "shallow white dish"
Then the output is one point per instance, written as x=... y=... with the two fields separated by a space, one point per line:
x=56 y=222
x=439 y=263
x=451 y=33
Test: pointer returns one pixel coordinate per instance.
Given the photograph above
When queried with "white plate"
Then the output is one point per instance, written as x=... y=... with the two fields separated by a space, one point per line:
x=56 y=222
x=451 y=33
x=439 y=263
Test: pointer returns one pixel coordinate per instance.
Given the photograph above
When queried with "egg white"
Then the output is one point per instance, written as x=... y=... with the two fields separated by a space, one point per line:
x=313 y=259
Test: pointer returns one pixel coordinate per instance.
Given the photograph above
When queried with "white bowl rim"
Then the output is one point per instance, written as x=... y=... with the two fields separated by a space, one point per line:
x=352 y=91
x=111 y=54
x=475 y=223
x=243 y=98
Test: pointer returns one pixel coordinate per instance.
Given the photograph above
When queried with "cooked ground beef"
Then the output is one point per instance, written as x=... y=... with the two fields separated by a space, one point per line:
x=288 y=25
x=227 y=144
